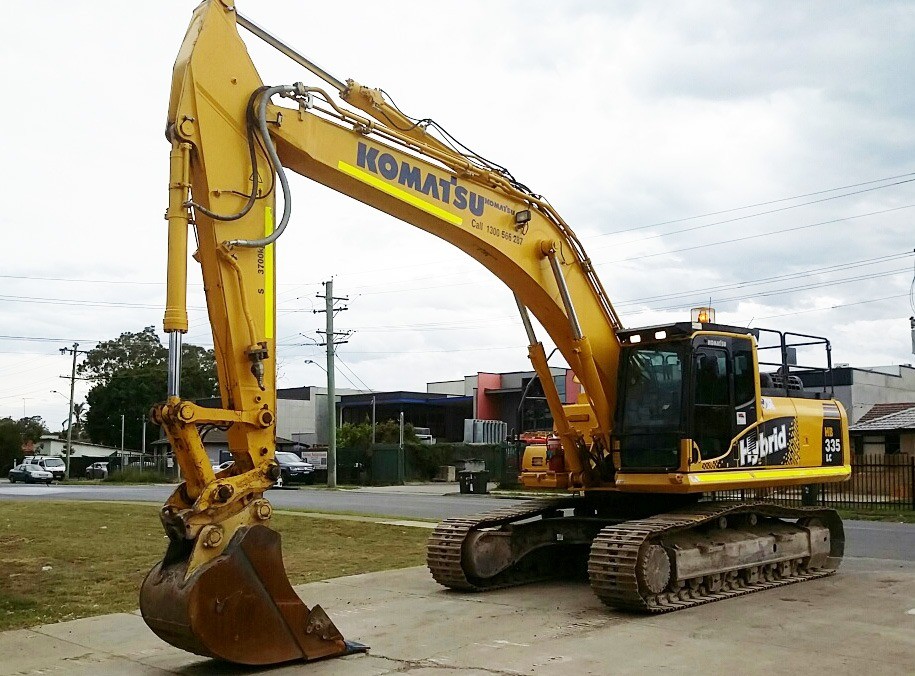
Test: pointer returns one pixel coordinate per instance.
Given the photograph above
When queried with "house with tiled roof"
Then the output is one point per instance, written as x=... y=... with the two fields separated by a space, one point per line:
x=885 y=429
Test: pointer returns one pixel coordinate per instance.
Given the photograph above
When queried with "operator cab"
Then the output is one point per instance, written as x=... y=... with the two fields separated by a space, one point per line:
x=688 y=389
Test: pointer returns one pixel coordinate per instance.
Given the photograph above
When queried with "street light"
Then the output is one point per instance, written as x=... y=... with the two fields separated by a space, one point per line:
x=320 y=366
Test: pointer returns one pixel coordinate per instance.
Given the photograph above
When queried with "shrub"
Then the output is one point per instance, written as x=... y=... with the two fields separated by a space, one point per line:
x=135 y=475
x=424 y=460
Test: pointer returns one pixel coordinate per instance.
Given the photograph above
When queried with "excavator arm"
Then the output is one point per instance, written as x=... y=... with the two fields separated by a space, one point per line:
x=221 y=588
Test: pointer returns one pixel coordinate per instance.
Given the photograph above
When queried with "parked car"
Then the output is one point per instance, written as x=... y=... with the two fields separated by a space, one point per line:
x=293 y=470
x=221 y=466
x=30 y=474
x=97 y=470
x=51 y=463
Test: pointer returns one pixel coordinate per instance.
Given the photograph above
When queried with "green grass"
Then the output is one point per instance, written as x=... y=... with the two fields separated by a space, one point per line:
x=894 y=516
x=61 y=561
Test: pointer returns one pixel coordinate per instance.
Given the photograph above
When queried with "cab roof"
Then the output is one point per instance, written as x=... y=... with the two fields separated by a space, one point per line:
x=681 y=330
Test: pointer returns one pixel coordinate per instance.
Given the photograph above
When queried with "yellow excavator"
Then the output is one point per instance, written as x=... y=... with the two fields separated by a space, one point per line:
x=671 y=417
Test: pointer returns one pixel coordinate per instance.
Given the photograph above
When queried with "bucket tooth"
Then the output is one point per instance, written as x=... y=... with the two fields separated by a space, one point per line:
x=239 y=607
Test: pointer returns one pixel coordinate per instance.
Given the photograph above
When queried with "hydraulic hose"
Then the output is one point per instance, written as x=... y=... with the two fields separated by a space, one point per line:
x=275 y=161
x=252 y=198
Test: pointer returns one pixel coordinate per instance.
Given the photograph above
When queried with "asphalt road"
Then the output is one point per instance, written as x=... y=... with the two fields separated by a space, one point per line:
x=864 y=539
x=404 y=505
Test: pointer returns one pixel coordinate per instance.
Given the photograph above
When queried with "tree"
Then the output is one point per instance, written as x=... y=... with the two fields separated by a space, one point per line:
x=357 y=436
x=129 y=352
x=131 y=374
x=388 y=432
x=10 y=444
x=15 y=433
x=79 y=419
x=31 y=428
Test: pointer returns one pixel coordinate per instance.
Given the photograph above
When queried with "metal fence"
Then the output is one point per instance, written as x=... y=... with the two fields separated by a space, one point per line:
x=878 y=482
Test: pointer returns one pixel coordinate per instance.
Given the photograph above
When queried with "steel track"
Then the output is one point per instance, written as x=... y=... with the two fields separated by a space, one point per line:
x=615 y=556
x=614 y=559
x=443 y=552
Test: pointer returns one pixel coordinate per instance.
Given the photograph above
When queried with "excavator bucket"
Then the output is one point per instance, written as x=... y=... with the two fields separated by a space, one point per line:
x=239 y=607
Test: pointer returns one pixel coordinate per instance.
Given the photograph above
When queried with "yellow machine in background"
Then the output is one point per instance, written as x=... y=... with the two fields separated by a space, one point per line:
x=543 y=464
x=670 y=414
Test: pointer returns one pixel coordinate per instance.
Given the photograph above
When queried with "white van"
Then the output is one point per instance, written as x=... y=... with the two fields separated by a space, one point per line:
x=51 y=463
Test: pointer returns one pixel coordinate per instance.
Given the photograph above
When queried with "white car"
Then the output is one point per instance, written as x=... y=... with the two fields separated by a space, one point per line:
x=221 y=466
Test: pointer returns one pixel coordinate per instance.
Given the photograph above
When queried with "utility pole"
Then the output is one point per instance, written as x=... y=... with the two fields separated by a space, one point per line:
x=373 y=419
x=74 y=351
x=330 y=341
x=123 y=466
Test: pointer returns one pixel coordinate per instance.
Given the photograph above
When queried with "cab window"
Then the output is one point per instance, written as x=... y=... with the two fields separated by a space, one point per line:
x=744 y=373
x=711 y=377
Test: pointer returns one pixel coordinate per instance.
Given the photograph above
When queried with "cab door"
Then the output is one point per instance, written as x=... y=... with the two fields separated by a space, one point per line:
x=725 y=394
x=745 y=383
x=713 y=420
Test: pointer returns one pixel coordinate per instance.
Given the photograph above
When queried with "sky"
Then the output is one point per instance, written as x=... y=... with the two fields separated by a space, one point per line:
x=757 y=156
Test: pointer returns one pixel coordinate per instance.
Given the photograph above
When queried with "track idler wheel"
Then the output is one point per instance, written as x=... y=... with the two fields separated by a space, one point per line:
x=238 y=607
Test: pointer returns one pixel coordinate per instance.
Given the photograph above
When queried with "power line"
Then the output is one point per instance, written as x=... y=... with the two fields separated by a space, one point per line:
x=700 y=227
x=756 y=236
x=19 y=363
x=779 y=292
x=297 y=285
x=86 y=303
x=79 y=280
x=484 y=323
x=345 y=377
x=345 y=365
x=473 y=349
x=31 y=369
x=801 y=273
x=833 y=307
x=765 y=280
x=24 y=394
x=763 y=213
x=48 y=340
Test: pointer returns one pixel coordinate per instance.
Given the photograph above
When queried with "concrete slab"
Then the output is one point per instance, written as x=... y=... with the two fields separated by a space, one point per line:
x=861 y=620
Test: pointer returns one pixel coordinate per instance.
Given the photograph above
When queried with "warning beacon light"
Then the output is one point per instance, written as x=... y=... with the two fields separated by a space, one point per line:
x=703 y=315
